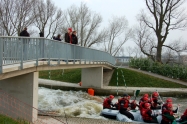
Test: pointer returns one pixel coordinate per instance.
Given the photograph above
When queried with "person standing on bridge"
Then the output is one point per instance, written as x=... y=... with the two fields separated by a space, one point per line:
x=68 y=36
x=24 y=33
x=74 y=38
x=25 y=41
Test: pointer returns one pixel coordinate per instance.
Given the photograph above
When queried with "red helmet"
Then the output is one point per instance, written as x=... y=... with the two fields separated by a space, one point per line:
x=169 y=100
x=155 y=94
x=111 y=96
x=145 y=98
x=146 y=95
x=169 y=105
x=146 y=105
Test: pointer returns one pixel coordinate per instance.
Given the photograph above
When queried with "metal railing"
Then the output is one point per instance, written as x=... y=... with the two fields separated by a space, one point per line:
x=15 y=50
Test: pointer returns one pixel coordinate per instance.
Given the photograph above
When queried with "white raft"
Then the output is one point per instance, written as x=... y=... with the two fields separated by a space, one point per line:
x=120 y=117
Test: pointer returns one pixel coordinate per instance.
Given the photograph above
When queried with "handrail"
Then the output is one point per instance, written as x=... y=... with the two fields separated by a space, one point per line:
x=22 y=49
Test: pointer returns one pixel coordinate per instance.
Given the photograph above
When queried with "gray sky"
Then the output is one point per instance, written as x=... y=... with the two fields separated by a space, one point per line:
x=127 y=8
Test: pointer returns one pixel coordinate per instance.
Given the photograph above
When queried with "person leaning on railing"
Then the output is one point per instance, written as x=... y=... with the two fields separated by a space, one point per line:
x=24 y=33
x=68 y=36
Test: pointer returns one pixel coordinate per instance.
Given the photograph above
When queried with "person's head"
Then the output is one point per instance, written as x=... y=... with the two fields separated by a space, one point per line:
x=69 y=30
x=111 y=97
x=147 y=105
x=25 y=28
x=155 y=94
x=146 y=95
x=169 y=100
x=74 y=32
x=170 y=106
x=125 y=96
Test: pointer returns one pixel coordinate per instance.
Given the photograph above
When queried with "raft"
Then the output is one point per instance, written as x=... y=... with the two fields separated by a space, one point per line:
x=115 y=114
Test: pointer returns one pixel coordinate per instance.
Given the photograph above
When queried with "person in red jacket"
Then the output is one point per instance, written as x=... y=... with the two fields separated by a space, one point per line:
x=124 y=106
x=183 y=118
x=154 y=101
x=142 y=103
x=147 y=114
x=145 y=95
x=168 y=101
x=167 y=115
x=108 y=102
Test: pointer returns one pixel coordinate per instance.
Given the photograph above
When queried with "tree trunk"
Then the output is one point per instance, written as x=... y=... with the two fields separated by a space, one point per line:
x=159 y=52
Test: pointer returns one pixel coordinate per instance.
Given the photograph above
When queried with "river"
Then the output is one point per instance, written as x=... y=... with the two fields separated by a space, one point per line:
x=80 y=104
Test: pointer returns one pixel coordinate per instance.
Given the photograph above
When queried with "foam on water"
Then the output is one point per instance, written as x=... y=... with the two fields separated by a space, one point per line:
x=74 y=103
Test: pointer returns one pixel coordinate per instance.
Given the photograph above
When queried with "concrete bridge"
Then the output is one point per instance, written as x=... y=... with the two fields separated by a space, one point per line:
x=22 y=58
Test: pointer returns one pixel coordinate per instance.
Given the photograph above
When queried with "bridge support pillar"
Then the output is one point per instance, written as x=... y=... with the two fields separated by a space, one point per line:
x=23 y=91
x=92 y=77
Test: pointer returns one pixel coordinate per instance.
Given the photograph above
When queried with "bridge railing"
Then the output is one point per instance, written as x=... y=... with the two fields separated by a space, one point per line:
x=17 y=50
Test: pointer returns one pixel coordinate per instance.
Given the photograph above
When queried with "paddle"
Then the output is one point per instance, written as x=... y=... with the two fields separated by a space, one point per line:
x=160 y=97
x=136 y=93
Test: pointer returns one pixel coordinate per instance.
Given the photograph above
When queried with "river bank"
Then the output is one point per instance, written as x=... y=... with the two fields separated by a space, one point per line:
x=106 y=90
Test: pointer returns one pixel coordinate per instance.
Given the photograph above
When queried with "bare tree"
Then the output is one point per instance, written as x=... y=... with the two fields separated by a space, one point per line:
x=47 y=17
x=15 y=15
x=85 y=22
x=117 y=34
x=145 y=40
x=129 y=50
x=165 y=15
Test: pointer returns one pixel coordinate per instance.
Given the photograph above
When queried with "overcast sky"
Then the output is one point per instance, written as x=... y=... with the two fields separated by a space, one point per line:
x=108 y=8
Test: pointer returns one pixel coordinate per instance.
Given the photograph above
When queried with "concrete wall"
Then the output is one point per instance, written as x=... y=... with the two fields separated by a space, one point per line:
x=24 y=92
x=92 y=77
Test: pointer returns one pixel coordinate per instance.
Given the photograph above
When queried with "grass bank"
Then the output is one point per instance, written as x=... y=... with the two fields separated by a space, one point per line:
x=132 y=78
x=7 y=120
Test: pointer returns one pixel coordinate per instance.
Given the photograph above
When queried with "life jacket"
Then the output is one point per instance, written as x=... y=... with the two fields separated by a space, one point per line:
x=145 y=114
x=184 y=114
x=126 y=105
x=164 y=106
x=141 y=106
x=133 y=105
x=164 y=117
x=106 y=103
x=154 y=105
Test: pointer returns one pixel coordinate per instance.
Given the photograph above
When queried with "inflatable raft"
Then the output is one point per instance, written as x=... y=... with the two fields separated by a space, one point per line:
x=114 y=114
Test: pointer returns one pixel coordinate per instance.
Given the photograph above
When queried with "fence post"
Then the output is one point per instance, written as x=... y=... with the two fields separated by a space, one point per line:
x=37 y=49
x=21 y=64
x=1 y=56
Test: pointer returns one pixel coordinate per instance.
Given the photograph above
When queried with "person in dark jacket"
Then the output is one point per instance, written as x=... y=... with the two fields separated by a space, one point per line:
x=41 y=34
x=68 y=36
x=25 y=41
x=24 y=33
x=74 y=38
x=58 y=37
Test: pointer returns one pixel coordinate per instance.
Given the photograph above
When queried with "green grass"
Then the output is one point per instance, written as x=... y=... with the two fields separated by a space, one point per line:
x=136 y=79
x=69 y=75
x=132 y=78
x=7 y=120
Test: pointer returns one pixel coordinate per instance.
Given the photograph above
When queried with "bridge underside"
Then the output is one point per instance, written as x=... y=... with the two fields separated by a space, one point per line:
x=22 y=84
